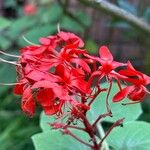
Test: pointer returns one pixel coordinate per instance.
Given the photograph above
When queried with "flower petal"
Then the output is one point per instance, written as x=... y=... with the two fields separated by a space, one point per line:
x=123 y=93
x=105 y=54
x=45 y=97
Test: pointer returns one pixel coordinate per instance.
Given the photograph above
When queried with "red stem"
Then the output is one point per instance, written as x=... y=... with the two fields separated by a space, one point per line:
x=74 y=127
x=117 y=123
x=90 y=130
x=66 y=131
x=100 y=117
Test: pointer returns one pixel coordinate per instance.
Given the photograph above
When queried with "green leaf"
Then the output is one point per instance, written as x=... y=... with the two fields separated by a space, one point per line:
x=44 y=120
x=21 y=25
x=51 y=139
x=86 y=21
x=69 y=24
x=7 y=75
x=55 y=140
x=4 y=42
x=48 y=14
x=91 y=46
x=4 y=23
x=10 y=3
x=34 y=34
x=129 y=112
x=132 y=136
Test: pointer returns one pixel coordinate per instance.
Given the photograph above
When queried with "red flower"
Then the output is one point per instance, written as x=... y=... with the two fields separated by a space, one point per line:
x=30 y=9
x=28 y=103
x=70 y=38
x=57 y=71
x=108 y=65
x=138 y=90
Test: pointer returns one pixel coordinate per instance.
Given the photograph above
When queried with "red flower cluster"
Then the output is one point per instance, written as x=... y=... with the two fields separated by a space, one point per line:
x=58 y=74
x=30 y=9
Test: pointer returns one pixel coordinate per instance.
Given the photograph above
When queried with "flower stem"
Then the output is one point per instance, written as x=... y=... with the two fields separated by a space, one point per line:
x=66 y=131
x=101 y=132
x=100 y=117
x=117 y=123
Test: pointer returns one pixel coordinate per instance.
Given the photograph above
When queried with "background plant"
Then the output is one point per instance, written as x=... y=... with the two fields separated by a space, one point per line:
x=9 y=42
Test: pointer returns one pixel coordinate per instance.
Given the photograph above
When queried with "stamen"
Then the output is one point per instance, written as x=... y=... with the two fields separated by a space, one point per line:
x=10 y=83
x=58 y=27
x=29 y=42
x=9 y=62
x=11 y=55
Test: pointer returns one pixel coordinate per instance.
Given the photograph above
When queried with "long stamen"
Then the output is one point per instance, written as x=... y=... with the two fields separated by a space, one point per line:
x=10 y=83
x=9 y=62
x=58 y=27
x=31 y=43
x=11 y=55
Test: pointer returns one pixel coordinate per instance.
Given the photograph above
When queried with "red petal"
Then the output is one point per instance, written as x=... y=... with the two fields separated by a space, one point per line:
x=28 y=106
x=105 y=53
x=44 y=41
x=51 y=110
x=39 y=50
x=45 y=97
x=82 y=85
x=81 y=63
x=18 y=89
x=70 y=38
x=116 y=64
x=123 y=93
x=44 y=84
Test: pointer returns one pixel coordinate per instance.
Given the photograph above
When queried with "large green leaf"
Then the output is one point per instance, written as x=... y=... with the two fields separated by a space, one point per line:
x=44 y=120
x=21 y=25
x=69 y=24
x=91 y=46
x=52 y=14
x=34 y=34
x=4 y=23
x=51 y=139
x=86 y=21
x=129 y=112
x=55 y=140
x=132 y=136
x=7 y=75
x=4 y=42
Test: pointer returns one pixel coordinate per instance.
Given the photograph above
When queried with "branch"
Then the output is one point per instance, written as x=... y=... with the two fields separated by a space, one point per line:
x=115 y=11
x=117 y=123
x=101 y=132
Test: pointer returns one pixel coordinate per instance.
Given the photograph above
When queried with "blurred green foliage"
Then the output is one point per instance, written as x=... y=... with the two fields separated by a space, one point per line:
x=16 y=128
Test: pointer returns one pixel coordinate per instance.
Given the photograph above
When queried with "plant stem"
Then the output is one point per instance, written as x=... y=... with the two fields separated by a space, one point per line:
x=115 y=11
x=74 y=127
x=117 y=123
x=101 y=132
x=89 y=130
x=100 y=117
x=66 y=131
